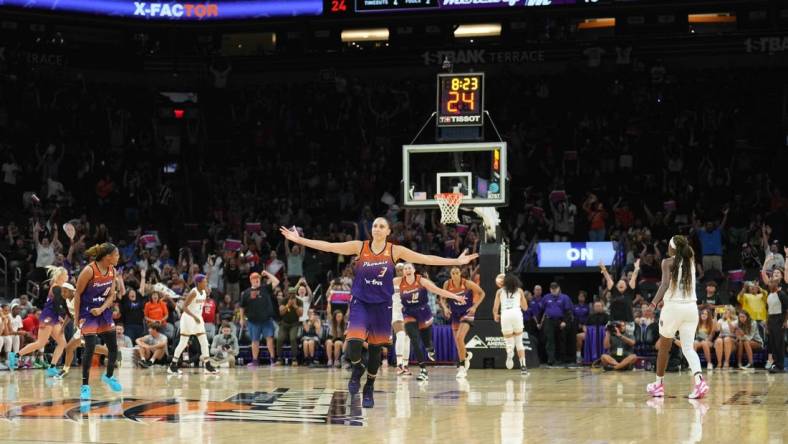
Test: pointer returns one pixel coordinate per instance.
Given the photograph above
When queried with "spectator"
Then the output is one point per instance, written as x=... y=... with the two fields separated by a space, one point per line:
x=622 y=296
x=295 y=261
x=123 y=340
x=532 y=315
x=152 y=348
x=621 y=348
x=556 y=322
x=156 y=310
x=597 y=215
x=597 y=317
x=752 y=299
x=312 y=337
x=260 y=306
x=275 y=266
x=24 y=305
x=748 y=339
x=232 y=278
x=709 y=298
x=289 y=314
x=224 y=347
x=45 y=251
x=338 y=295
x=304 y=295
x=132 y=311
x=30 y=334
x=336 y=338
x=726 y=340
x=711 y=243
x=209 y=317
x=227 y=307
x=704 y=335
x=214 y=269
x=778 y=309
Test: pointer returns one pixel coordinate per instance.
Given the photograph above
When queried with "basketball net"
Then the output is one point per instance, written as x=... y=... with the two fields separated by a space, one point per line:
x=449 y=204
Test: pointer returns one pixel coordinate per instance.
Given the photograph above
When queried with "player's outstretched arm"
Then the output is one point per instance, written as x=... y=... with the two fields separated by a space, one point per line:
x=408 y=255
x=346 y=248
x=432 y=288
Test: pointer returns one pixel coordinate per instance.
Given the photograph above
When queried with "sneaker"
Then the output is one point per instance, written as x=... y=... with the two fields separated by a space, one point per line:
x=400 y=370
x=468 y=357
x=423 y=375
x=62 y=373
x=709 y=366
x=768 y=365
x=112 y=382
x=330 y=364
x=252 y=364
x=173 y=369
x=52 y=372
x=209 y=368
x=368 y=397
x=39 y=364
x=745 y=367
x=657 y=390
x=3 y=367
x=509 y=360
x=354 y=384
x=608 y=368
x=462 y=373
x=775 y=369
x=84 y=392
x=407 y=371
x=524 y=371
x=431 y=355
x=700 y=390
x=12 y=360
x=144 y=363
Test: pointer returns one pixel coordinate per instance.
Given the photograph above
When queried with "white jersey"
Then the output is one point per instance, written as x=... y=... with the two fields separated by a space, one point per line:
x=678 y=293
x=196 y=306
x=510 y=301
x=70 y=305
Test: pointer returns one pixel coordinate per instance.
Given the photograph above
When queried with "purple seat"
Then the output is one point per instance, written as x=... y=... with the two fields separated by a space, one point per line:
x=594 y=345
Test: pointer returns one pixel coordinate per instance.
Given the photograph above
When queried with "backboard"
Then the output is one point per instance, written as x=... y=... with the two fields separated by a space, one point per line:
x=477 y=170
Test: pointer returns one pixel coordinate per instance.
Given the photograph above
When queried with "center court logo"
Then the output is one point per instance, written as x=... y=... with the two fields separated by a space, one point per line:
x=315 y=406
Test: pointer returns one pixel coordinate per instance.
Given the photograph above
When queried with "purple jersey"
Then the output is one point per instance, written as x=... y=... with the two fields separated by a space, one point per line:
x=374 y=275
x=457 y=308
x=96 y=292
x=413 y=294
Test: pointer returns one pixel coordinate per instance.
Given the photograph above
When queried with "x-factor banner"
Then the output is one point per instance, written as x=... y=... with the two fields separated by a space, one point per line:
x=209 y=10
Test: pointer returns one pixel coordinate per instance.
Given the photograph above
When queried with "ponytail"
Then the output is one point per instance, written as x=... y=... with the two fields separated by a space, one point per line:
x=684 y=260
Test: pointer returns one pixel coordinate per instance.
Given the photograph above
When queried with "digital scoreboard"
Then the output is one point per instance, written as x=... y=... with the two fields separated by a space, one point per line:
x=460 y=99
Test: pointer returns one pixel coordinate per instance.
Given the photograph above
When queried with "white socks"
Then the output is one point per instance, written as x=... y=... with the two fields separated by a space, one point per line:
x=402 y=348
x=509 y=345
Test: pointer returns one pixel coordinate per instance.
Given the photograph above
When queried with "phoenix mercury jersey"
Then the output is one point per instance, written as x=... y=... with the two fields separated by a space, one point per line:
x=374 y=275
x=413 y=294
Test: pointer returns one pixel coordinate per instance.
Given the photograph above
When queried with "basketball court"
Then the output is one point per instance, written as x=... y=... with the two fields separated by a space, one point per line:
x=311 y=405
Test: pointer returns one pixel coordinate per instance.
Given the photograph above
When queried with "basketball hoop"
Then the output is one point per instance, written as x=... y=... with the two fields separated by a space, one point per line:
x=449 y=204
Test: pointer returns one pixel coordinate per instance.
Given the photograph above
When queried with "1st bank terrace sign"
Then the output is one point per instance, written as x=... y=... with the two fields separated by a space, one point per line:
x=482 y=56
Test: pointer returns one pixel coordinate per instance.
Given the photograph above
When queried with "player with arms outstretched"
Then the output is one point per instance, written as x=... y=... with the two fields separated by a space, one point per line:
x=373 y=286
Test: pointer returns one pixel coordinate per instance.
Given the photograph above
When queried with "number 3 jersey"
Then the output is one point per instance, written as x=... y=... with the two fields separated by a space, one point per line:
x=373 y=282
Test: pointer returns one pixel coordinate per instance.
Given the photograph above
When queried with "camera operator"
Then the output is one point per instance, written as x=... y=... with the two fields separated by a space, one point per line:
x=621 y=347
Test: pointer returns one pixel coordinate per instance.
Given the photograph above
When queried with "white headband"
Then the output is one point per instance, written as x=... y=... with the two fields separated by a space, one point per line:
x=672 y=244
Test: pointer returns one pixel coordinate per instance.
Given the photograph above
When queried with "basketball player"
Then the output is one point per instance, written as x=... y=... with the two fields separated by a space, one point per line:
x=193 y=325
x=680 y=312
x=510 y=298
x=413 y=290
x=461 y=314
x=74 y=343
x=52 y=320
x=402 y=345
x=93 y=316
x=369 y=315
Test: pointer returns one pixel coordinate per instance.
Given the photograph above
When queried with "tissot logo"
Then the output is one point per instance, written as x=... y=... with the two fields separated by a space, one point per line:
x=315 y=406
x=176 y=10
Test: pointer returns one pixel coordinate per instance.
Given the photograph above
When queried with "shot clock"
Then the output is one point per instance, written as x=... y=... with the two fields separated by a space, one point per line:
x=460 y=99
